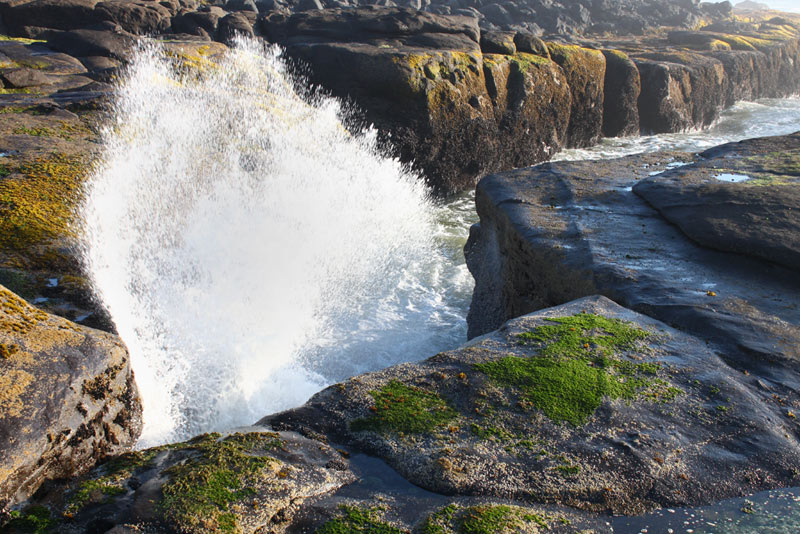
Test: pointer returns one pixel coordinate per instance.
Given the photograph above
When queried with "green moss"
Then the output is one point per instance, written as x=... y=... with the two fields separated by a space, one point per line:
x=358 y=520
x=20 y=39
x=577 y=366
x=488 y=520
x=37 y=132
x=64 y=131
x=33 y=110
x=583 y=334
x=439 y=521
x=524 y=61
x=15 y=90
x=200 y=491
x=568 y=469
x=112 y=483
x=404 y=409
x=32 y=520
x=491 y=432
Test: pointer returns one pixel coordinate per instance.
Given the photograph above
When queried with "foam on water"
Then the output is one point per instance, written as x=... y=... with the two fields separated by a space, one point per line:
x=771 y=116
x=251 y=250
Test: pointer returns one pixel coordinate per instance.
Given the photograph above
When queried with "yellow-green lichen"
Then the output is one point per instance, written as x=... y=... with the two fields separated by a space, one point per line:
x=38 y=202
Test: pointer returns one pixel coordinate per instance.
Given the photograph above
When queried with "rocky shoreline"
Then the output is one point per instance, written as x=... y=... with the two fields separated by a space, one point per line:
x=634 y=320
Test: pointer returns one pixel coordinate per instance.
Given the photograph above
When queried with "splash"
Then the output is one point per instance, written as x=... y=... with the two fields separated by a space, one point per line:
x=250 y=249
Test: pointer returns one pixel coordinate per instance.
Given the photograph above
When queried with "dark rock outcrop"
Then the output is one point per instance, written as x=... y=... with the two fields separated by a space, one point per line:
x=558 y=231
x=445 y=88
x=550 y=423
x=741 y=197
x=67 y=398
x=441 y=103
x=585 y=70
x=246 y=481
x=621 y=90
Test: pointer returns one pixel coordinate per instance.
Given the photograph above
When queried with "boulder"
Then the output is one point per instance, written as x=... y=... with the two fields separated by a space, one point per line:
x=140 y=17
x=245 y=481
x=498 y=43
x=24 y=77
x=115 y=43
x=740 y=197
x=529 y=43
x=232 y=25
x=196 y=23
x=587 y=404
x=57 y=14
x=68 y=398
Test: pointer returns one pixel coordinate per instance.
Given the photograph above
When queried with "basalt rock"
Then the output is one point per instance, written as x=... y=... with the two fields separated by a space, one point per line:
x=621 y=90
x=68 y=398
x=585 y=70
x=247 y=481
x=536 y=412
x=437 y=100
x=741 y=197
x=680 y=90
x=559 y=231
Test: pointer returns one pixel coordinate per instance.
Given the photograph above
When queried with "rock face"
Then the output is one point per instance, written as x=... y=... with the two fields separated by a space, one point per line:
x=442 y=103
x=514 y=415
x=241 y=482
x=741 y=198
x=67 y=398
x=451 y=89
x=559 y=231
x=621 y=91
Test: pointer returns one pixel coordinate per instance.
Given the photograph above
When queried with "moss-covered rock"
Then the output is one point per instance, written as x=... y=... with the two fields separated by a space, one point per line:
x=585 y=70
x=621 y=90
x=234 y=483
x=67 y=398
x=543 y=410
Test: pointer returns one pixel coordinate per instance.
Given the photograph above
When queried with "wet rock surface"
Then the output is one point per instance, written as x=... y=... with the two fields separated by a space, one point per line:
x=67 y=398
x=551 y=423
x=742 y=197
x=562 y=230
x=479 y=421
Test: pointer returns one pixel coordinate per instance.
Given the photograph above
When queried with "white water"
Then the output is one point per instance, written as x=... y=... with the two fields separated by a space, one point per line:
x=745 y=120
x=251 y=251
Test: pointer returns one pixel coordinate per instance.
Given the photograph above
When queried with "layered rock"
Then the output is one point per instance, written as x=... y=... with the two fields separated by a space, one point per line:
x=454 y=111
x=449 y=95
x=559 y=231
x=741 y=198
x=67 y=398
